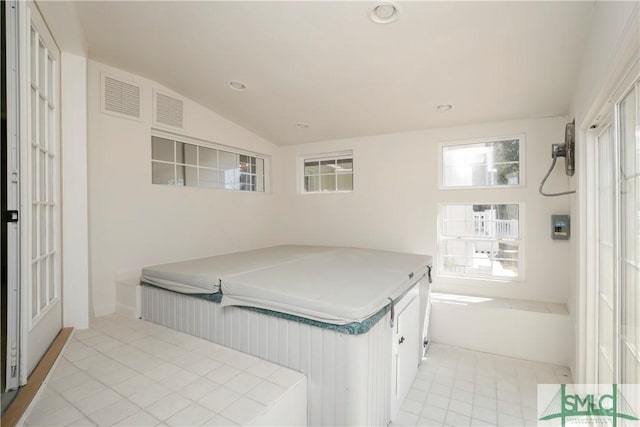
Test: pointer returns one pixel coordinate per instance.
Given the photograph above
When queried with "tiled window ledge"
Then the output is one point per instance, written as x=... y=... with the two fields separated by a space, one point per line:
x=502 y=303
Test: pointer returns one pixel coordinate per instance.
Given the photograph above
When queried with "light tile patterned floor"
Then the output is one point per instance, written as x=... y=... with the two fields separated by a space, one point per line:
x=134 y=373
x=457 y=387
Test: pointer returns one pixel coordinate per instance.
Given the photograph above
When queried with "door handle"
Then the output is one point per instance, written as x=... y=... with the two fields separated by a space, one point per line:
x=401 y=340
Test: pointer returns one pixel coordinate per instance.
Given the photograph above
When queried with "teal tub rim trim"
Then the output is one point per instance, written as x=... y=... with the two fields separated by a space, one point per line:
x=354 y=328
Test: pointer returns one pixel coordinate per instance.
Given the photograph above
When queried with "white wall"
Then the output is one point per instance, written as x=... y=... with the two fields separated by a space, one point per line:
x=75 y=210
x=134 y=223
x=394 y=204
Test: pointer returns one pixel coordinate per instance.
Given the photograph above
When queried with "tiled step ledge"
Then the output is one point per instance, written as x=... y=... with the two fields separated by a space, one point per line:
x=123 y=371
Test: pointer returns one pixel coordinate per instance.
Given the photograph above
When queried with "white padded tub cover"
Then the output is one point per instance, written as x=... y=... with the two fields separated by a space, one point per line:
x=202 y=276
x=339 y=286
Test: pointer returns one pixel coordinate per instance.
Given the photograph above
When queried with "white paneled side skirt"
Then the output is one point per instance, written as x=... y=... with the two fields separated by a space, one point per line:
x=348 y=375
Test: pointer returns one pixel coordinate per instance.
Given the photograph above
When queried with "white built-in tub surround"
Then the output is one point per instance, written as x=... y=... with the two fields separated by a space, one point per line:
x=349 y=319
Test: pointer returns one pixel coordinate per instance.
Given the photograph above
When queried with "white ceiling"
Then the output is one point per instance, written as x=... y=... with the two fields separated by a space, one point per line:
x=327 y=64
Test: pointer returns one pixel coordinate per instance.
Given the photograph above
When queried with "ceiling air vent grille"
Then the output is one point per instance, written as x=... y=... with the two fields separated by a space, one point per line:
x=169 y=111
x=121 y=98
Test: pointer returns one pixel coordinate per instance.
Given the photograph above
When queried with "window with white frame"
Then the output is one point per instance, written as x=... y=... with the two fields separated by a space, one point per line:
x=328 y=173
x=175 y=162
x=487 y=163
x=480 y=240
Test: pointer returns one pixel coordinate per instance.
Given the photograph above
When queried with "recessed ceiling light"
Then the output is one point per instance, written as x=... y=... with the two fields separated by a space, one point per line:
x=235 y=85
x=384 y=13
x=302 y=125
x=444 y=107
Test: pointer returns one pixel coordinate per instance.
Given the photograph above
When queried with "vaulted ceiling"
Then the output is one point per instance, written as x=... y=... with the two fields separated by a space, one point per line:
x=328 y=65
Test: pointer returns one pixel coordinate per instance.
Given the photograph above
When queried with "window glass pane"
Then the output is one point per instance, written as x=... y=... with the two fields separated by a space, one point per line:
x=180 y=148
x=163 y=173
x=481 y=164
x=345 y=165
x=228 y=160
x=508 y=174
x=209 y=178
x=312 y=183
x=162 y=149
x=190 y=176
x=180 y=176
x=327 y=182
x=507 y=151
x=328 y=166
x=480 y=240
x=479 y=258
x=208 y=157
x=345 y=182
x=191 y=154
x=260 y=175
x=245 y=182
x=245 y=164
x=311 y=168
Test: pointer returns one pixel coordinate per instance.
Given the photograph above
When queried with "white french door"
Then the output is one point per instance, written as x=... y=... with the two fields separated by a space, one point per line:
x=618 y=242
x=40 y=264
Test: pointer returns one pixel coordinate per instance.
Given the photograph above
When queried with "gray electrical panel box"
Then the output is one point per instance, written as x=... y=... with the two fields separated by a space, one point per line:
x=560 y=227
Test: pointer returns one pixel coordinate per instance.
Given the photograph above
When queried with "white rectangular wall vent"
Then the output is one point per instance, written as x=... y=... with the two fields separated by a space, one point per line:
x=120 y=98
x=169 y=111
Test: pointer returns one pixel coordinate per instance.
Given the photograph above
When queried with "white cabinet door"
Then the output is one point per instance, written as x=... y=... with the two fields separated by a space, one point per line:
x=406 y=348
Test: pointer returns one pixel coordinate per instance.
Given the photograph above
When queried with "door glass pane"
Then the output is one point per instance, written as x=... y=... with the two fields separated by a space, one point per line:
x=33 y=118
x=33 y=65
x=42 y=171
x=34 y=289
x=42 y=61
x=34 y=234
x=42 y=266
x=42 y=116
x=606 y=256
x=50 y=177
x=50 y=71
x=52 y=292
x=50 y=228
x=629 y=232
x=42 y=231
x=52 y=133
